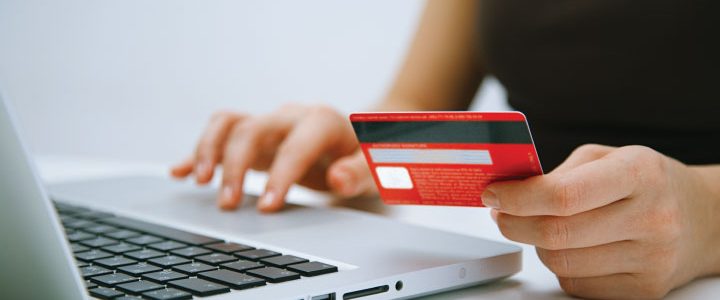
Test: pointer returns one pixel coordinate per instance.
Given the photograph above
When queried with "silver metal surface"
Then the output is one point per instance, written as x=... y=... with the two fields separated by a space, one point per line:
x=35 y=259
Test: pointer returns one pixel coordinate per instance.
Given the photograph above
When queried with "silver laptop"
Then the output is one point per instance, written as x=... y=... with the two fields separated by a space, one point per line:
x=154 y=238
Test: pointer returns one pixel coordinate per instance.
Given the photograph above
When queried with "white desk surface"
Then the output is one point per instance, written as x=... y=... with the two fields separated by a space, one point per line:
x=533 y=282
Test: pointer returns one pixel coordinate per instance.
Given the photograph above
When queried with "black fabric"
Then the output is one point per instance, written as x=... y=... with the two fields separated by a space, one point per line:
x=613 y=72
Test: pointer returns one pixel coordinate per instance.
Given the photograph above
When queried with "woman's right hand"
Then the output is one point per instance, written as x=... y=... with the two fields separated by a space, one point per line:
x=311 y=145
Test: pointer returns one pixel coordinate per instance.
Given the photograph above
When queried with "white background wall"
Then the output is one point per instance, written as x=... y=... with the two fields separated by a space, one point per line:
x=137 y=79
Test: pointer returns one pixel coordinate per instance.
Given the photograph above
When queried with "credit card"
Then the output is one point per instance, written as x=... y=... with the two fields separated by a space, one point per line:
x=444 y=158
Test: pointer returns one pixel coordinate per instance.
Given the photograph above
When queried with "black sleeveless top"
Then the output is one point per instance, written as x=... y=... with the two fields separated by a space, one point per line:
x=613 y=72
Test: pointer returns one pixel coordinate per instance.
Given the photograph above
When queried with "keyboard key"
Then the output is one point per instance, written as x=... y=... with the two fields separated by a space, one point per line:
x=283 y=261
x=190 y=252
x=274 y=275
x=242 y=266
x=113 y=279
x=139 y=269
x=138 y=287
x=79 y=236
x=193 y=268
x=167 y=294
x=126 y=297
x=114 y=262
x=81 y=264
x=92 y=255
x=232 y=279
x=167 y=245
x=215 y=258
x=99 y=242
x=90 y=284
x=199 y=287
x=168 y=261
x=159 y=230
x=121 y=248
x=78 y=224
x=91 y=271
x=256 y=254
x=94 y=215
x=100 y=229
x=229 y=248
x=312 y=268
x=75 y=247
x=164 y=276
x=144 y=254
x=105 y=293
x=144 y=240
x=122 y=234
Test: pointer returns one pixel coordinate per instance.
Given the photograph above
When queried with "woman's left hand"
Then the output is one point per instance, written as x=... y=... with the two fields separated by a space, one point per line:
x=610 y=222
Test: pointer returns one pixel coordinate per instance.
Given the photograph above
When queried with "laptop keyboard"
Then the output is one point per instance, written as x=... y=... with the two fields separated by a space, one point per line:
x=123 y=258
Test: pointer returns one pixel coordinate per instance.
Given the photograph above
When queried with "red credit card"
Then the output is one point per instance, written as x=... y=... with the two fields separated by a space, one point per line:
x=444 y=158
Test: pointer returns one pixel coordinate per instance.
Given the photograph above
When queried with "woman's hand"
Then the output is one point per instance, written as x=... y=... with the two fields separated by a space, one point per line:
x=311 y=145
x=615 y=222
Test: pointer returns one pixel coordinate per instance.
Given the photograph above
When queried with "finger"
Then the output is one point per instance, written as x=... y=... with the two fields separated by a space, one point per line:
x=577 y=231
x=210 y=147
x=183 y=169
x=314 y=137
x=616 y=286
x=591 y=185
x=350 y=176
x=583 y=154
x=240 y=152
x=607 y=259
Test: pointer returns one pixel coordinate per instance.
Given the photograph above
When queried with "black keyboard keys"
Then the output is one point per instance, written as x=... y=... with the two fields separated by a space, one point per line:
x=92 y=255
x=216 y=258
x=144 y=254
x=121 y=248
x=235 y=280
x=91 y=271
x=283 y=260
x=78 y=248
x=122 y=234
x=144 y=239
x=312 y=268
x=274 y=275
x=167 y=232
x=79 y=236
x=164 y=276
x=191 y=252
x=242 y=266
x=167 y=245
x=99 y=242
x=138 y=287
x=114 y=262
x=139 y=269
x=229 y=248
x=105 y=293
x=194 y=268
x=168 y=261
x=112 y=279
x=167 y=294
x=256 y=254
x=199 y=287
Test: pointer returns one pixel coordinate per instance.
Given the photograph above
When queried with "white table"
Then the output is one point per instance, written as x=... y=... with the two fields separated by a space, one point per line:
x=533 y=282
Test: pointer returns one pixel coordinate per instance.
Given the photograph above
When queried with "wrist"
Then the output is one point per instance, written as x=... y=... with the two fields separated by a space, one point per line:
x=709 y=177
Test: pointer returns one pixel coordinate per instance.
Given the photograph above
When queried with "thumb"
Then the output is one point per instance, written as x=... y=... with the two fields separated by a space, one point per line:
x=350 y=176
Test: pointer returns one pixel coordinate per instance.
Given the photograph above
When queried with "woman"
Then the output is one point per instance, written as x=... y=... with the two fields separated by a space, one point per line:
x=623 y=115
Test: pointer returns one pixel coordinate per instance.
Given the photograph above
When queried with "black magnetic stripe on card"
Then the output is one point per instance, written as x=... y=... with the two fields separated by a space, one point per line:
x=497 y=132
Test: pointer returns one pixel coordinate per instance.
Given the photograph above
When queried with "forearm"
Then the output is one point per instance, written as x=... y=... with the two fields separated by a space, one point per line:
x=442 y=70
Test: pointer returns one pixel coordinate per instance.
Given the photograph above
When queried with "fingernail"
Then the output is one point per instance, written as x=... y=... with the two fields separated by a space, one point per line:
x=494 y=214
x=227 y=196
x=489 y=199
x=267 y=200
